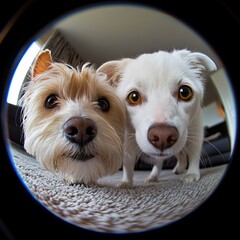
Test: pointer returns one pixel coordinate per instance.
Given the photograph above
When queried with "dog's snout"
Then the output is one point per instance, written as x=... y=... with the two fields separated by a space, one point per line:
x=162 y=136
x=80 y=130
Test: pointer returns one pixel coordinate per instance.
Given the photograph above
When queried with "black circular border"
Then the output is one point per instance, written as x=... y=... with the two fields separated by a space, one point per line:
x=22 y=217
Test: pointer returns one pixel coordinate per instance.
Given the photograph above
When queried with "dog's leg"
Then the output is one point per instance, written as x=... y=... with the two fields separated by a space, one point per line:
x=193 y=149
x=129 y=162
x=182 y=162
x=193 y=171
x=153 y=177
x=131 y=152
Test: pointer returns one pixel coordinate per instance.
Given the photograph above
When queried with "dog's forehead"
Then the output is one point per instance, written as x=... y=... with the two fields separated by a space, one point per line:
x=160 y=63
x=159 y=72
x=155 y=69
x=71 y=83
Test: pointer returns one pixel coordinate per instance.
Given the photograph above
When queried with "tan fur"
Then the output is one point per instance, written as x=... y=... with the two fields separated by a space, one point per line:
x=78 y=93
x=42 y=63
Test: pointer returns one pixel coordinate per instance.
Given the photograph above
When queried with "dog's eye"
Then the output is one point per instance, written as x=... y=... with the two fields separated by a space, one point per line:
x=51 y=101
x=134 y=98
x=185 y=93
x=103 y=103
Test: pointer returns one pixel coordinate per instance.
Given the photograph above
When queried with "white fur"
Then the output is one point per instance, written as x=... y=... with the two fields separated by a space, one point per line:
x=157 y=77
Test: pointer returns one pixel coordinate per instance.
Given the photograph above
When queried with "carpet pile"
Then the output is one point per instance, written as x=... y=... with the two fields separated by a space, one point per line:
x=105 y=208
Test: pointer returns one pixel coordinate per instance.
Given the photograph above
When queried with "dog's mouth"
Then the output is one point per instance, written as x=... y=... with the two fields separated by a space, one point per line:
x=82 y=156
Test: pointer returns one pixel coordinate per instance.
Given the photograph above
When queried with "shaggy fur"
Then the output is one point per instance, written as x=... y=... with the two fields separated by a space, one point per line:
x=57 y=93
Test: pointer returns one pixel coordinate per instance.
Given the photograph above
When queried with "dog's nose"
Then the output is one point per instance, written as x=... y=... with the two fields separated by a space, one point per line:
x=80 y=130
x=162 y=136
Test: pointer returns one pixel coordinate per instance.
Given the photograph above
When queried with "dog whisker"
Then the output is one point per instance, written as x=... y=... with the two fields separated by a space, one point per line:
x=220 y=154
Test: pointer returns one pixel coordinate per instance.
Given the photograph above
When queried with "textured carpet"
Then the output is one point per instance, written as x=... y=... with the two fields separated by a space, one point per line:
x=106 y=208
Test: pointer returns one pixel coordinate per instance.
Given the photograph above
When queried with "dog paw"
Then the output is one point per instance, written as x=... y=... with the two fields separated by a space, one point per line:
x=180 y=166
x=151 y=179
x=179 y=169
x=69 y=181
x=72 y=182
x=125 y=185
x=188 y=178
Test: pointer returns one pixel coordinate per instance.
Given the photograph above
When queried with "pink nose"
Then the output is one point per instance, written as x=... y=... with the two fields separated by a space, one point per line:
x=162 y=136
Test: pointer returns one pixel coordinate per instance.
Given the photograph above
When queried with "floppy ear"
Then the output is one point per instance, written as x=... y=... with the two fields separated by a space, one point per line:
x=113 y=70
x=42 y=63
x=198 y=60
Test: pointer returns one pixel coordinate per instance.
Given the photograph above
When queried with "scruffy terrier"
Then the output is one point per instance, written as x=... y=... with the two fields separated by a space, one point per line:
x=163 y=93
x=73 y=121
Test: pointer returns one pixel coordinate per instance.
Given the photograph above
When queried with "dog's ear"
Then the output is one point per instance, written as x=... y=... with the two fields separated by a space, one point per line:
x=42 y=62
x=198 y=60
x=113 y=70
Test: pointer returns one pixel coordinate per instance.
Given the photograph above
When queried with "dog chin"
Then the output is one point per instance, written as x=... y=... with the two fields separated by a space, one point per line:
x=159 y=155
x=156 y=153
x=87 y=166
x=83 y=166
x=87 y=172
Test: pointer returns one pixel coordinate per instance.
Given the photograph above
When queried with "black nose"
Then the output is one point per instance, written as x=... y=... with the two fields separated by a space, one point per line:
x=80 y=130
x=162 y=136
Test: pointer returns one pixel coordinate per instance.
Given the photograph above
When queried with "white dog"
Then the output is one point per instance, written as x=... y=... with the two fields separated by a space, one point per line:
x=163 y=92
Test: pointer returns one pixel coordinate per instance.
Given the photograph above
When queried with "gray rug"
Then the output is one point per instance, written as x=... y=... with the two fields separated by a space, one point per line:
x=106 y=208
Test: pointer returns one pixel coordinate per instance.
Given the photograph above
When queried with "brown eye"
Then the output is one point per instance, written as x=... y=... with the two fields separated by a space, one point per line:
x=51 y=101
x=104 y=105
x=185 y=93
x=134 y=98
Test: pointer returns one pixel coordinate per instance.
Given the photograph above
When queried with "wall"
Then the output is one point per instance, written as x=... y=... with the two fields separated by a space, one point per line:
x=211 y=115
x=223 y=86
